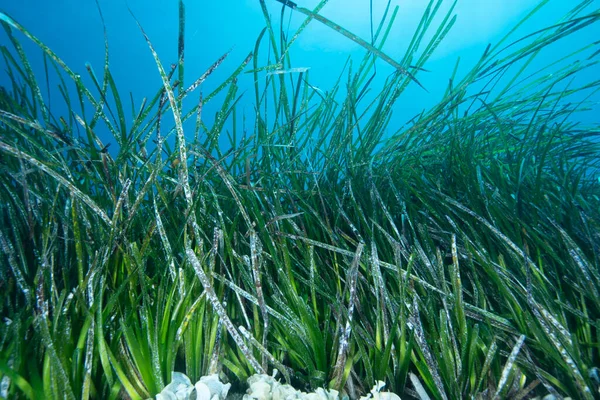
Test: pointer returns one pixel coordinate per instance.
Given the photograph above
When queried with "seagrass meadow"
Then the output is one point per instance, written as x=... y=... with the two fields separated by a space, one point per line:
x=455 y=257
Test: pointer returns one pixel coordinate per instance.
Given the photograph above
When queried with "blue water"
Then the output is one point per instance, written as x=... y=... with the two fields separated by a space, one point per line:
x=73 y=29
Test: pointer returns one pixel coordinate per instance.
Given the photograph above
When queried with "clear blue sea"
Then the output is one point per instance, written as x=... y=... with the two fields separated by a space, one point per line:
x=74 y=30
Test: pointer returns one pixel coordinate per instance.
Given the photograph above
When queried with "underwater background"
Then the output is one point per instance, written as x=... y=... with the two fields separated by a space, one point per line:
x=73 y=29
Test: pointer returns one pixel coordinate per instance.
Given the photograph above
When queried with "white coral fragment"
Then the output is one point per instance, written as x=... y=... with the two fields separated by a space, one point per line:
x=207 y=388
x=377 y=394
x=261 y=387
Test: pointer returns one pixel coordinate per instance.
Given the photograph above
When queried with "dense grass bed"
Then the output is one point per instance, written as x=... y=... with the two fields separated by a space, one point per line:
x=455 y=257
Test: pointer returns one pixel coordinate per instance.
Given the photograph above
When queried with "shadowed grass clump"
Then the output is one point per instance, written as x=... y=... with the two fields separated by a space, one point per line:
x=455 y=257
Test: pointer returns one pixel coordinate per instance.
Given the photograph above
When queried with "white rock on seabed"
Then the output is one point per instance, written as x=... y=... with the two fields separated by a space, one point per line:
x=261 y=387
